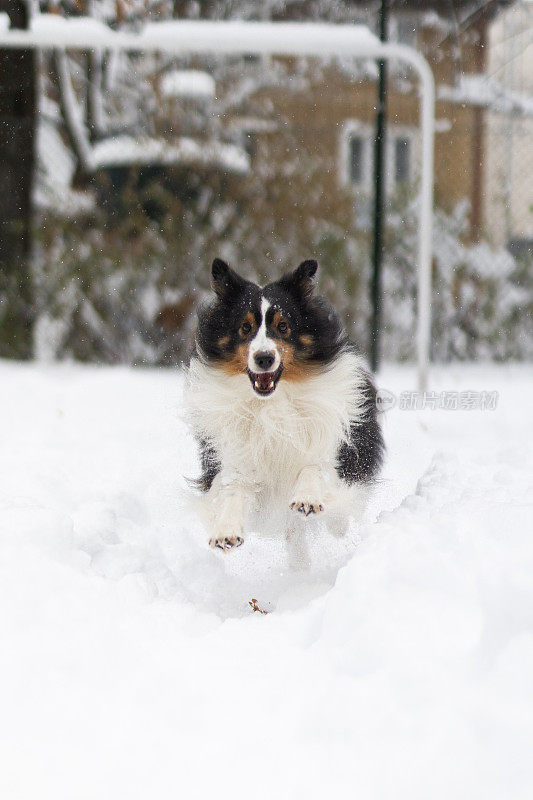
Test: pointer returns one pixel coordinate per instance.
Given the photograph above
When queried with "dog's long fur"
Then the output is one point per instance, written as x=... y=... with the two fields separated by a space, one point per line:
x=311 y=444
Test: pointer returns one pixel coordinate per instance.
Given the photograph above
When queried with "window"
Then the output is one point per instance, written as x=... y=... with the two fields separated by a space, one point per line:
x=356 y=159
x=356 y=156
x=402 y=160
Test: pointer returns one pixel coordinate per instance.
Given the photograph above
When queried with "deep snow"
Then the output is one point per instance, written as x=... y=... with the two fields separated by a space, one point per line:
x=399 y=664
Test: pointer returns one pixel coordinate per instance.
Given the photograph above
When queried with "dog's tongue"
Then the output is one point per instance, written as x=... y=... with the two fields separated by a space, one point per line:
x=263 y=380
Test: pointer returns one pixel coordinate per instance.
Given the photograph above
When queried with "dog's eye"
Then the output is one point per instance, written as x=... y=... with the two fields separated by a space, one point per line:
x=246 y=327
x=283 y=327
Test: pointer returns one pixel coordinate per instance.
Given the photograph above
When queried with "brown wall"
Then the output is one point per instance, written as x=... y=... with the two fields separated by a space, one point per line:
x=310 y=123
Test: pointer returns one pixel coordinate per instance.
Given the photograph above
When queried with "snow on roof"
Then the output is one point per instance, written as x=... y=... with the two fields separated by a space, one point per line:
x=66 y=29
x=188 y=83
x=261 y=37
x=124 y=150
x=306 y=39
x=480 y=90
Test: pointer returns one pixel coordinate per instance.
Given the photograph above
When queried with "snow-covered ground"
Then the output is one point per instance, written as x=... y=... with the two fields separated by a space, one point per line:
x=398 y=664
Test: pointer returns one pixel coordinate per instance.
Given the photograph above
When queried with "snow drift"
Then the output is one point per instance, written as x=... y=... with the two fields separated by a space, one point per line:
x=398 y=665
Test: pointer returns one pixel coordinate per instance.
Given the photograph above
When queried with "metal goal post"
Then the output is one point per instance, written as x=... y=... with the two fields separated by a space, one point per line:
x=264 y=38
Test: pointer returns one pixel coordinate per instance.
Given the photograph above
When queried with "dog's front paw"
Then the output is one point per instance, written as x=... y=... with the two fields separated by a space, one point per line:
x=307 y=506
x=224 y=543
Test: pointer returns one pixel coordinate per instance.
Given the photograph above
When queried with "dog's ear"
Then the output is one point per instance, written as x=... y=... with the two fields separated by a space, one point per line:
x=224 y=280
x=303 y=279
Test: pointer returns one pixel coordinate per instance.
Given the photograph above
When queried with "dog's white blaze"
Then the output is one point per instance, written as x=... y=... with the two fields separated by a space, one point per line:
x=262 y=343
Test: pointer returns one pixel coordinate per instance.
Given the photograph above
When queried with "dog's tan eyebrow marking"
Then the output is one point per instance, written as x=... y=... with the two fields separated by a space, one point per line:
x=306 y=339
x=277 y=318
x=223 y=341
x=250 y=319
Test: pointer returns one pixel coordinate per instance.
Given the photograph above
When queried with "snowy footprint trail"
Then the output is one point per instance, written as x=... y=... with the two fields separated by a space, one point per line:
x=175 y=563
x=400 y=664
x=105 y=459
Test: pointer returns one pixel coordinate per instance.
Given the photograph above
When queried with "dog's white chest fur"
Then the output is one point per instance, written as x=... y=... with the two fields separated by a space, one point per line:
x=269 y=441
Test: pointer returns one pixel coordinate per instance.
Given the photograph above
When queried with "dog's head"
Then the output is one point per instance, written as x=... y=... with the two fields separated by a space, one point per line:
x=279 y=332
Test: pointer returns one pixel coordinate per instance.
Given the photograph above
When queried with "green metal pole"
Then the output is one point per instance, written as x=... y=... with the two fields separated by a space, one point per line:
x=379 y=180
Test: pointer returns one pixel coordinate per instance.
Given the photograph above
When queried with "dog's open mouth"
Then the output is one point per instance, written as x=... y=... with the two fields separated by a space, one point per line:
x=264 y=383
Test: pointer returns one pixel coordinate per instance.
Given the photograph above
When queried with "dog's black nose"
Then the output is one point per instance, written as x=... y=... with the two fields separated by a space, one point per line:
x=264 y=359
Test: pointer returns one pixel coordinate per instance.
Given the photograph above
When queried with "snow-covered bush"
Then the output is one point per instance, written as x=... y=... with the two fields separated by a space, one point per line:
x=122 y=287
x=124 y=290
x=482 y=297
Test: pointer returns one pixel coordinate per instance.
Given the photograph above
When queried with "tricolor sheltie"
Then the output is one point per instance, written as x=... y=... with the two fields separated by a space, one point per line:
x=282 y=407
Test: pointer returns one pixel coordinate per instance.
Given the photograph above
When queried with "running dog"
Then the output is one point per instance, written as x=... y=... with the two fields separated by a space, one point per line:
x=282 y=407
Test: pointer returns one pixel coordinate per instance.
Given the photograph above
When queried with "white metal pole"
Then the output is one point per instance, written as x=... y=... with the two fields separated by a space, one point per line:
x=268 y=38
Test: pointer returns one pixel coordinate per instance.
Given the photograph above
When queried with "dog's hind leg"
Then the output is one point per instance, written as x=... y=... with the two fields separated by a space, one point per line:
x=344 y=503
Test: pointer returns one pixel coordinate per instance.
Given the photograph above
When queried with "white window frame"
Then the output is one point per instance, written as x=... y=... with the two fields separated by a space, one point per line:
x=401 y=132
x=350 y=128
x=367 y=132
